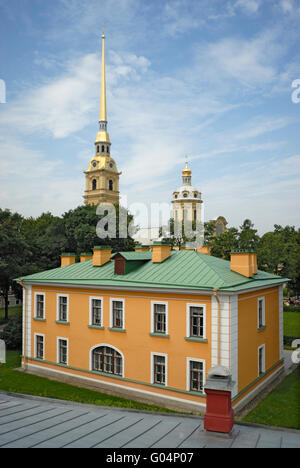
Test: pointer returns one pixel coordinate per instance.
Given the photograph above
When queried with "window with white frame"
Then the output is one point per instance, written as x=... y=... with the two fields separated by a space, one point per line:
x=261 y=316
x=62 y=308
x=159 y=318
x=40 y=305
x=39 y=346
x=261 y=360
x=62 y=351
x=159 y=369
x=195 y=375
x=117 y=313
x=108 y=360
x=96 y=311
x=196 y=321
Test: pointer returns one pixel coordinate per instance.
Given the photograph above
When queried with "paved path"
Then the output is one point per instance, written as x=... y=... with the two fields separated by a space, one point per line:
x=42 y=423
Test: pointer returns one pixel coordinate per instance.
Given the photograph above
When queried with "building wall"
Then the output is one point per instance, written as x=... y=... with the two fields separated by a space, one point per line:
x=250 y=338
x=135 y=344
x=239 y=340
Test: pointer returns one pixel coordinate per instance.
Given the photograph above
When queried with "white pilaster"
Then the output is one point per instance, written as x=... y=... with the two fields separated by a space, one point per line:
x=234 y=342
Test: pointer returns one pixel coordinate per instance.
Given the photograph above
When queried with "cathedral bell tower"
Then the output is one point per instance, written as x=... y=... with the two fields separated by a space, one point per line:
x=102 y=176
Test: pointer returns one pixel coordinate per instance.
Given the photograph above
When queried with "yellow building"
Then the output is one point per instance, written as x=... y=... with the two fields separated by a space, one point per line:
x=102 y=176
x=148 y=325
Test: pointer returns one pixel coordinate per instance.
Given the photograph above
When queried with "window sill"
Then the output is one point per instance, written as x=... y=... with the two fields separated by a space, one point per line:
x=38 y=319
x=60 y=322
x=96 y=327
x=194 y=338
x=122 y=330
x=159 y=335
x=261 y=328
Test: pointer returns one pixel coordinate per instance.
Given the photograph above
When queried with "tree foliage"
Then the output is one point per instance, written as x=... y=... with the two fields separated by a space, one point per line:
x=30 y=245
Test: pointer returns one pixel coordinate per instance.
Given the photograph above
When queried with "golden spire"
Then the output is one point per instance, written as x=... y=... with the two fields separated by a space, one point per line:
x=103 y=115
x=102 y=135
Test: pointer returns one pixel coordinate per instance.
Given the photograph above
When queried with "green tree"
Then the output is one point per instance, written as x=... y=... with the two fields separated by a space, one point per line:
x=248 y=238
x=47 y=239
x=224 y=243
x=14 y=253
x=80 y=230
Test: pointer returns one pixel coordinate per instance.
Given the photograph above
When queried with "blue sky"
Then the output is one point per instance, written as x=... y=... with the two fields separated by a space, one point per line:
x=210 y=79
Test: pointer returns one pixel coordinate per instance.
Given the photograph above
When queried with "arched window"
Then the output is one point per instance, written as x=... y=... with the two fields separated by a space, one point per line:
x=94 y=184
x=103 y=148
x=98 y=149
x=110 y=185
x=107 y=149
x=108 y=360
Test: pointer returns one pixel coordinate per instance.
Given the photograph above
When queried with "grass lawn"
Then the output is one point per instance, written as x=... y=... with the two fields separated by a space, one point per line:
x=291 y=324
x=282 y=406
x=19 y=382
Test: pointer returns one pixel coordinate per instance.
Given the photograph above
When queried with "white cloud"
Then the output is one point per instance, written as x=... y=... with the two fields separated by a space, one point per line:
x=287 y=6
x=262 y=193
x=250 y=6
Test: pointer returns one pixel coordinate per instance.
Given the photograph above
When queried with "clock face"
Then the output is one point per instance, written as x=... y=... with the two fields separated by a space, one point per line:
x=94 y=164
x=111 y=165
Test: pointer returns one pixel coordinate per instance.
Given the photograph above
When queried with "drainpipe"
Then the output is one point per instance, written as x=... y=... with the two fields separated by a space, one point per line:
x=219 y=323
x=25 y=323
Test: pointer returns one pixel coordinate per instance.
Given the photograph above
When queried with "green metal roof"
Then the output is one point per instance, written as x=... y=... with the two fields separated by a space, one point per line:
x=182 y=270
x=135 y=256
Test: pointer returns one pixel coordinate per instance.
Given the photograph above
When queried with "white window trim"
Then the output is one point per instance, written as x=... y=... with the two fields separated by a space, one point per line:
x=113 y=299
x=35 y=304
x=188 y=380
x=263 y=311
x=108 y=346
x=58 y=338
x=188 y=319
x=98 y=298
x=152 y=368
x=263 y=347
x=57 y=306
x=152 y=316
x=35 y=346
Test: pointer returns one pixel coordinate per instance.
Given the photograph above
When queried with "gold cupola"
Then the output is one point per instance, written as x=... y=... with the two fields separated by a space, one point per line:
x=186 y=174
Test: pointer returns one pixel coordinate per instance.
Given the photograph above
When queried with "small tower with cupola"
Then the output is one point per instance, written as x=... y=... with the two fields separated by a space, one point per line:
x=102 y=176
x=186 y=201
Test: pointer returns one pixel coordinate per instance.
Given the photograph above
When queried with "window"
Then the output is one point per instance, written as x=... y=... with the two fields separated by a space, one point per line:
x=117 y=314
x=39 y=346
x=107 y=149
x=98 y=149
x=261 y=320
x=94 y=184
x=110 y=185
x=261 y=360
x=195 y=215
x=108 y=360
x=196 y=373
x=40 y=306
x=103 y=148
x=197 y=321
x=159 y=369
x=62 y=351
x=159 y=318
x=62 y=308
x=96 y=312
